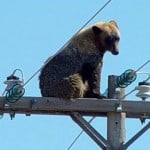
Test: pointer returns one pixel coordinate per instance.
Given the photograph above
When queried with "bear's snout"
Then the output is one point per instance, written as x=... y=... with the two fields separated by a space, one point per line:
x=115 y=52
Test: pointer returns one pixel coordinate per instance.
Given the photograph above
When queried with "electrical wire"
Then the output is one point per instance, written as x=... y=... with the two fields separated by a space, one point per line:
x=146 y=73
x=77 y=137
x=123 y=97
x=142 y=66
x=22 y=74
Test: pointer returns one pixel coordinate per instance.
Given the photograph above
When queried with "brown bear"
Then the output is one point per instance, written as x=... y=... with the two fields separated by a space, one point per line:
x=75 y=71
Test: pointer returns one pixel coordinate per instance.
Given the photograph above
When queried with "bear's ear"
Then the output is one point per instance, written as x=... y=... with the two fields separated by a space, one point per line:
x=114 y=23
x=96 y=30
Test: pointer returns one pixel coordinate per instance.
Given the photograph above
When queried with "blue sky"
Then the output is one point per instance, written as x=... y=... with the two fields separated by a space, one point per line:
x=31 y=31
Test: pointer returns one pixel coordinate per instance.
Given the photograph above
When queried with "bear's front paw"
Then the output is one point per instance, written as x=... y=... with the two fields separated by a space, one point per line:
x=101 y=97
x=95 y=95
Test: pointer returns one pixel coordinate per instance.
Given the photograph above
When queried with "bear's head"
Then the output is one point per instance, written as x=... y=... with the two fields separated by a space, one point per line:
x=107 y=37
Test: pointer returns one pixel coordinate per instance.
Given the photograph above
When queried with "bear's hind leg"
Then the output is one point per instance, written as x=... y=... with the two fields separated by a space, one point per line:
x=72 y=87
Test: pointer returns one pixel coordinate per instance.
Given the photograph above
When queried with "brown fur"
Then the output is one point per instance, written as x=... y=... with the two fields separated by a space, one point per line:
x=75 y=71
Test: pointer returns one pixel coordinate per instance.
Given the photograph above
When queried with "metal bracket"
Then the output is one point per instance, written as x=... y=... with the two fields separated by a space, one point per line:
x=135 y=137
x=12 y=115
x=97 y=137
x=119 y=107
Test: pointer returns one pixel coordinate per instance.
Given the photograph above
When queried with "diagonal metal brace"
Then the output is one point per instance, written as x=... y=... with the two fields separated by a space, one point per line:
x=135 y=137
x=97 y=137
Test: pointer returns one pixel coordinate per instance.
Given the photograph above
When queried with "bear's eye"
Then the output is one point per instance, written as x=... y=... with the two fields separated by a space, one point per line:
x=116 y=38
x=111 y=39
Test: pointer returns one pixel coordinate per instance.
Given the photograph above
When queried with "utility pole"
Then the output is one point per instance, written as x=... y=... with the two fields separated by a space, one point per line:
x=115 y=109
x=115 y=120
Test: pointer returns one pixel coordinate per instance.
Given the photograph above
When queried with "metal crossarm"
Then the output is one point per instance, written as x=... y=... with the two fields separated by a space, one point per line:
x=85 y=106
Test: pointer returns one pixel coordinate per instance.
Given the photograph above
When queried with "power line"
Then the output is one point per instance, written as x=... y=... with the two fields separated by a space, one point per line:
x=77 y=137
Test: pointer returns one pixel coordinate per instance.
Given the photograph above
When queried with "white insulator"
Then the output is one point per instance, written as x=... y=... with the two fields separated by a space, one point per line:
x=144 y=90
x=11 y=81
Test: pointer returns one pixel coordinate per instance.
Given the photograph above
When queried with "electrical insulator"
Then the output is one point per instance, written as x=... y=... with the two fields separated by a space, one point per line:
x=144 y=90
x=14 y=89
x=11 y=81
